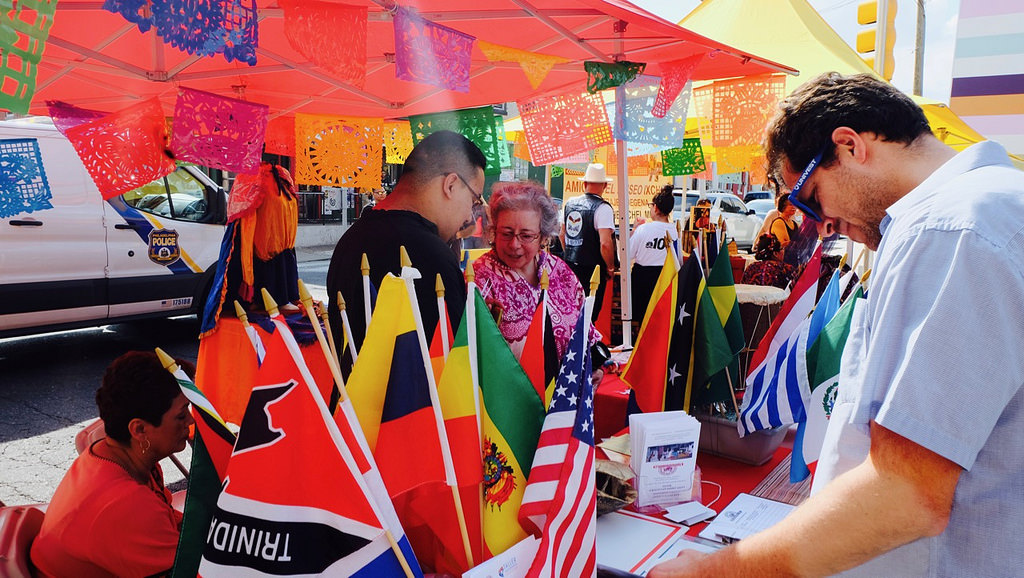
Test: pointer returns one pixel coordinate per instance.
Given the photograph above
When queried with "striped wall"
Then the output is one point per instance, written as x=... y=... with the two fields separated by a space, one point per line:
x=988 y=70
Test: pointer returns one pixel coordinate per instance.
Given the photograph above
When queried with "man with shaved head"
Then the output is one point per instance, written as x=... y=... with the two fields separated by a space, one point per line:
x=442 y=180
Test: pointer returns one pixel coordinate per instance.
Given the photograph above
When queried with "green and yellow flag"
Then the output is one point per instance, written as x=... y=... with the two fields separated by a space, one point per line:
x=512 y=415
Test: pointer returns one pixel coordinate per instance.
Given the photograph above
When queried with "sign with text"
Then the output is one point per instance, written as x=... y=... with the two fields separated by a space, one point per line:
x=641 y=192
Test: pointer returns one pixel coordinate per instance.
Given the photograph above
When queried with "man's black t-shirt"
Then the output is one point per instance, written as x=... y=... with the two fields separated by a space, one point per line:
x=379 y=234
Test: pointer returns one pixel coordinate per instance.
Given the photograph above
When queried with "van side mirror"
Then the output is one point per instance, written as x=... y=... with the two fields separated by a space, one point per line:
x=751 y=212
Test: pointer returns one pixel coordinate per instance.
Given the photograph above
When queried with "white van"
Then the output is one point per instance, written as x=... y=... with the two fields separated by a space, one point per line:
x=70 y=259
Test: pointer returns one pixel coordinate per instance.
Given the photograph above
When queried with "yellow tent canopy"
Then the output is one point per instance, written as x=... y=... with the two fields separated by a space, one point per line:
x=793 y=32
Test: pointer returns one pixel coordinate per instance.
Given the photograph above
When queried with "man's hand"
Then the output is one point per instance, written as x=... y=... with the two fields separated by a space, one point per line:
x=685 y=564
x=902 y=492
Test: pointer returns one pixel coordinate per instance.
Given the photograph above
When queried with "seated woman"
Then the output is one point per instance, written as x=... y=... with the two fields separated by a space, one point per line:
x=786 y=230
x=769 y=268
x=523 y=220
x=111 y=514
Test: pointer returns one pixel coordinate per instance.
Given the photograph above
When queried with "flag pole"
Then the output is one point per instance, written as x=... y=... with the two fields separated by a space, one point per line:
x=364 y=268
x=474 y=377
x=271 y=307
x=442 y=316
x=408 y=275
x=545 y=281
x=346 y=327
x=327 y=329
x=332 y=361
x=250 y=332
x=732 y=391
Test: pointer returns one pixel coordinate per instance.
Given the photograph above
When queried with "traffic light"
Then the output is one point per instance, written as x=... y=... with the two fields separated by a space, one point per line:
x=881 y=37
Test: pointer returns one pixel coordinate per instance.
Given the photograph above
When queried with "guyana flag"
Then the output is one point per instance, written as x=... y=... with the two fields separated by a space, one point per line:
x=211 y=452
x=512 y=415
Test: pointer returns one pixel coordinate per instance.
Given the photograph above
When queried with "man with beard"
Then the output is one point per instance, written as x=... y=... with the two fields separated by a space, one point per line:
x=920 y=471
x=441 y=182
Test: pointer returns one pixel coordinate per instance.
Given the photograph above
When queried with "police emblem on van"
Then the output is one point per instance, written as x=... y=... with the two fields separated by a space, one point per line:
x=163 y=247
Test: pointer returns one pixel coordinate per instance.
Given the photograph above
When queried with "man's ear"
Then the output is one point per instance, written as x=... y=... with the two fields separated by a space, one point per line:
x=849 y=142
x=448 y=183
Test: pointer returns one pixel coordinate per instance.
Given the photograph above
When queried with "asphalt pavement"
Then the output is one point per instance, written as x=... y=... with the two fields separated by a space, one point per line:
x=48 y=384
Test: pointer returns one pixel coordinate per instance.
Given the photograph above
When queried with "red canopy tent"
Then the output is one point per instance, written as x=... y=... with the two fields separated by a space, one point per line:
x=96 y=59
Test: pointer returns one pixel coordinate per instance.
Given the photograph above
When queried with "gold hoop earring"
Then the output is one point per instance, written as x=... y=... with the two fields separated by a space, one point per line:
x=146 y=447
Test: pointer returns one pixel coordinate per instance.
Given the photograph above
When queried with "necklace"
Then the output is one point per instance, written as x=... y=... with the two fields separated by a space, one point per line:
x=151 y=479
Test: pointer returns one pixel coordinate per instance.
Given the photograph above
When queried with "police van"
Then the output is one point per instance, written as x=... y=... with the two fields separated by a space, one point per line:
x=70 y=259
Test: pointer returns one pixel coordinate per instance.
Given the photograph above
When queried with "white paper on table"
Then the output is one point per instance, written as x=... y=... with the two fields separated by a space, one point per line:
x=664 y=456
x=682 y=542
x=744 y=516
x=626 y=540
x=689 y=513
x=512 y=563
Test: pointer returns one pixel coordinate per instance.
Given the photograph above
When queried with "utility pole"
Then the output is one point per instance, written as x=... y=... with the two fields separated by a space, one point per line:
x=919 y=50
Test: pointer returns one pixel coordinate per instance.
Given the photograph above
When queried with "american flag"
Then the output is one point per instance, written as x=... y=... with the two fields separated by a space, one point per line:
x=560 y=500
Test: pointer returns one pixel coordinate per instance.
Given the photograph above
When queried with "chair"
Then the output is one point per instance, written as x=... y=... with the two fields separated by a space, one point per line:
x=19 y=525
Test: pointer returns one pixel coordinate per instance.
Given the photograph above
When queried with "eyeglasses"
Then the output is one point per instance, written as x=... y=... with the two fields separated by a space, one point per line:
x=525 y=238
x=793 y=198
x=478 y=199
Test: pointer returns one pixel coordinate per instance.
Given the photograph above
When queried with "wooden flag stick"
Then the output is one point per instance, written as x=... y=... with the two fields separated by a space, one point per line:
x=269 y=305
x=332 y=362
x=346 y=327
x=399 y=553
x=240 y=314
x=864 y=279
x=732 y=391
x=364 y=268
x=327 y=329
x=166 y=360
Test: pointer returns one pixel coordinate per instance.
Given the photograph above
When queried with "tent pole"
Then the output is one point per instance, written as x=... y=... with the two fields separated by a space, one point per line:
x=622 y=184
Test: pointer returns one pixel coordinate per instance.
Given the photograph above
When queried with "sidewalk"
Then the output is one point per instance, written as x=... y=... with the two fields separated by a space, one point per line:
x=315 y=242
x=313 y=253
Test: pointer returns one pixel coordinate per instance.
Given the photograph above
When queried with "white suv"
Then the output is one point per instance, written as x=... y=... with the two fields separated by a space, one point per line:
x=741 y=224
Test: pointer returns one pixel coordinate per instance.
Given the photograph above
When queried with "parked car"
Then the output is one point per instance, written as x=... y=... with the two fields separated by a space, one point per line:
x=741 y=223
x=761 y=207
x=758 y=195
x=69 y=258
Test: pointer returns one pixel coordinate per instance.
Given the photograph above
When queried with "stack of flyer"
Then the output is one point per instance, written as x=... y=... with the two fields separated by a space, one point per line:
x=664 y=456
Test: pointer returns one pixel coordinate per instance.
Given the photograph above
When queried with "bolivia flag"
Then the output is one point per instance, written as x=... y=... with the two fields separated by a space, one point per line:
x=512 y=416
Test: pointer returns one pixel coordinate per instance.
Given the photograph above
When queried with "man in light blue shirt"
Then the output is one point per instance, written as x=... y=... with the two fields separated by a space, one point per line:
x=921 y=470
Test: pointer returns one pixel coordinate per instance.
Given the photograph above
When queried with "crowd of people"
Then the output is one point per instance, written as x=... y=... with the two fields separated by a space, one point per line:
x=913 y=479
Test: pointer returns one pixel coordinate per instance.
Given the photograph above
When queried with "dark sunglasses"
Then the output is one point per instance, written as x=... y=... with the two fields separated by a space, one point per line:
x=793 y=194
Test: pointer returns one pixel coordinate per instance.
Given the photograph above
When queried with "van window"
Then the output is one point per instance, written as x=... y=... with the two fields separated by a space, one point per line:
x=179 y=196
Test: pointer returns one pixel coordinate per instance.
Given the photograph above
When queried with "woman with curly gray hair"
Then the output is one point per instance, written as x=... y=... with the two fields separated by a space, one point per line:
x=523 y=221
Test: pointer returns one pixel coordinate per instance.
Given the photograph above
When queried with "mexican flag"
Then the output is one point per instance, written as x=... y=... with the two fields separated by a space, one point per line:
x=823 y=364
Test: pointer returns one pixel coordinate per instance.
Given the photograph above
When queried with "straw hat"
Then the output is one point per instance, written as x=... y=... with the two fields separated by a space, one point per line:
x=595 y=174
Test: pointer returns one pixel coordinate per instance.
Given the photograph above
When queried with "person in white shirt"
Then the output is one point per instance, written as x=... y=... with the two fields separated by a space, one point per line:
x=920 y=471
x=647 y=250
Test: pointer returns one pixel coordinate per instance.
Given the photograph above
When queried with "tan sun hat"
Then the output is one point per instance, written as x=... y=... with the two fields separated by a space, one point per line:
x=595 y=174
